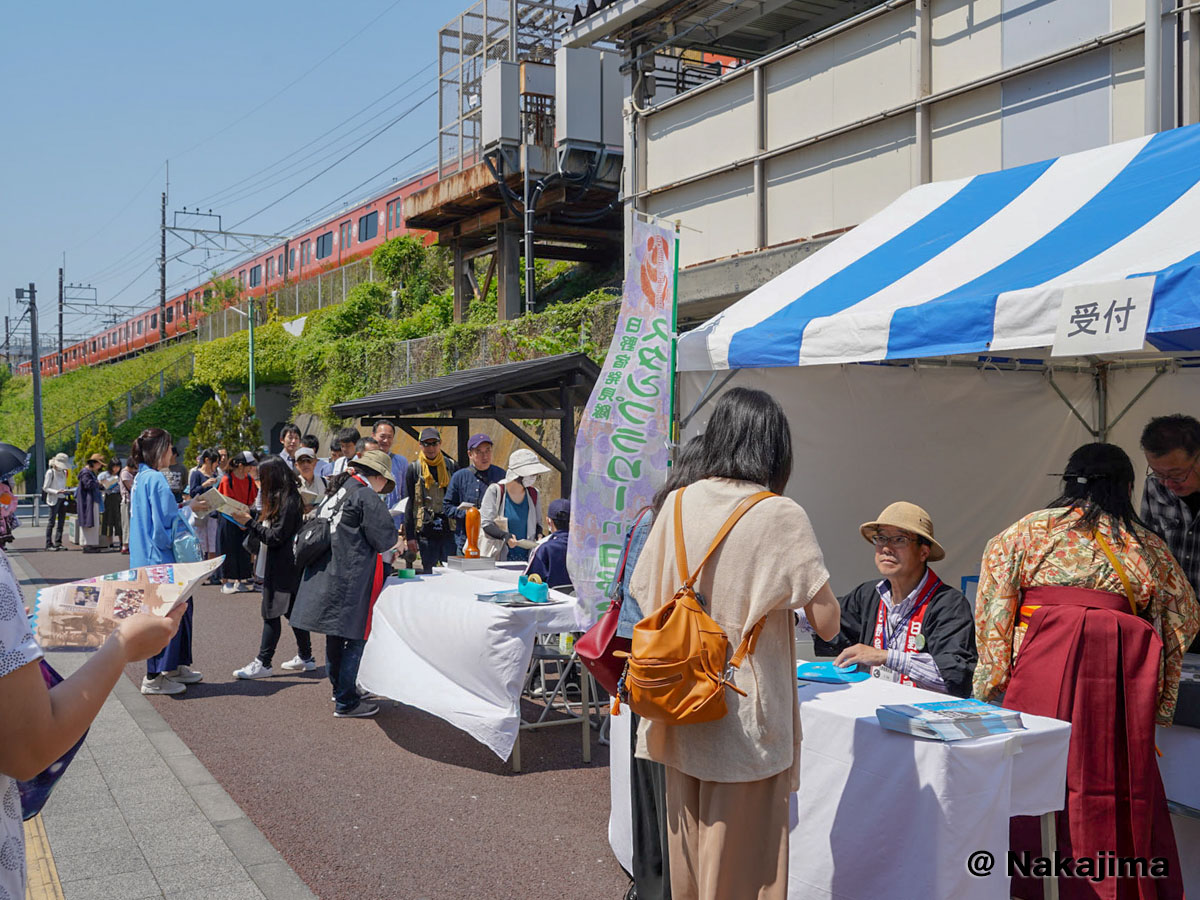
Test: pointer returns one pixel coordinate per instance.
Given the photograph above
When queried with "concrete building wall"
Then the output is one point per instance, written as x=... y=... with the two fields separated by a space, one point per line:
x=802 y=150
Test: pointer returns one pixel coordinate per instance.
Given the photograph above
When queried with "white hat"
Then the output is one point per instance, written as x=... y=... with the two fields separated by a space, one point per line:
x=523 y=462
x=61 y=461
x=305 y=451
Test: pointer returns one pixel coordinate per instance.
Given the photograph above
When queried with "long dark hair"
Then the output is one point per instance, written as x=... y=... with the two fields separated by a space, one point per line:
x=683 y=473
x=150 y=446
x=747 y=439
x=278 y=485
x=1098 y=481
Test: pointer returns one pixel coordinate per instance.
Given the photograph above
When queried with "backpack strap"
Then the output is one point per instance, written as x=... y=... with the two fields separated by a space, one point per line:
x=681 y=551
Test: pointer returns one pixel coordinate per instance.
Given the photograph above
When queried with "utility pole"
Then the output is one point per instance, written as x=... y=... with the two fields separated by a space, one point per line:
x=162 y=274
x=35 y=365
x=60 y=320
x=253 y=395
x=7 y=355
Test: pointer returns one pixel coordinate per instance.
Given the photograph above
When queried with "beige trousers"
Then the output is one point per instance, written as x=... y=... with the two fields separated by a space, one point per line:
x=727 y=841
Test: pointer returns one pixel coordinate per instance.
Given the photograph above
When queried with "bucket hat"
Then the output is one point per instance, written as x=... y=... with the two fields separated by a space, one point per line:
x=61 y=461
x=907 y=517
x=378 y=462
x=523 y=462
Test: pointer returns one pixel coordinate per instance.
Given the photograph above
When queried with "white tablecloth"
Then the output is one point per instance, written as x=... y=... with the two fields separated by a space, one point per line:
x=435 y=647
x=888 y=815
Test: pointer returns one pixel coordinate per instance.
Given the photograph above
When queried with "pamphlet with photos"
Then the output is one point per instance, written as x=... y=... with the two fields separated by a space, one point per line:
x=83 y=613
x=218 y=502
x=949 y=720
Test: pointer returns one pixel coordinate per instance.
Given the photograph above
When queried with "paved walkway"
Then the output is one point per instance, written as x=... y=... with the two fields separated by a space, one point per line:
x=138 y=816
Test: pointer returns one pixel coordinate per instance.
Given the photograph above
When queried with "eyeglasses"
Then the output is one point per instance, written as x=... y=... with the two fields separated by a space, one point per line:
x=1174 y=476
x=895 y=540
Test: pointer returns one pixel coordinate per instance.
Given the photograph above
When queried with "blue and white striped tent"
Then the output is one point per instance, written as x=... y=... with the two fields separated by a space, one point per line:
x=978 y=265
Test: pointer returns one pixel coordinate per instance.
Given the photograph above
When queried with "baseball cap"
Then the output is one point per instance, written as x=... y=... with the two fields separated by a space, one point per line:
x=477 y=439
x=305 y=451
x=429 y=433
x=559 y=509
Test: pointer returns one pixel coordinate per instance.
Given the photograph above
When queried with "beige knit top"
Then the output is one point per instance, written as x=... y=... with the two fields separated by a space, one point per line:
x=769 y=565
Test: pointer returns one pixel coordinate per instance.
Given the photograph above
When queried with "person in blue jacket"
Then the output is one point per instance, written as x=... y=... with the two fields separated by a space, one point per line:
x=152 y=516
x=549 y=560
x=468 y=484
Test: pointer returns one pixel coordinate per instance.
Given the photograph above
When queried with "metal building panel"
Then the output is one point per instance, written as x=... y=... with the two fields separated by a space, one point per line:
x=800 y=95
x=873 y=168
x=722 y=211
x=1128 y=90
x=1060 y=109
x=612 y=100
x=501 y=114
x=966 y=41
x=966 y=134
x=873 y=65
x=1033 y=30
x=577 y=95
x=706 y=131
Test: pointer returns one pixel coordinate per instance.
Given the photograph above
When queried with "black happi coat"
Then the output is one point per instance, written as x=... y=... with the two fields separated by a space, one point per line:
x=948 y=626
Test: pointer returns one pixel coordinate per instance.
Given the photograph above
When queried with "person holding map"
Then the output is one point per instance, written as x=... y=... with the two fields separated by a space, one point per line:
x=152 y=517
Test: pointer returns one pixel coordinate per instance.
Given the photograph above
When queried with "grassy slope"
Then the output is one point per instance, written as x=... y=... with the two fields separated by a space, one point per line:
x=66 y=398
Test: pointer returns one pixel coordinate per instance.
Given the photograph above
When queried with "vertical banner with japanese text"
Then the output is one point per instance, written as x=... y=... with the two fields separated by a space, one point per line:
x=621 y=447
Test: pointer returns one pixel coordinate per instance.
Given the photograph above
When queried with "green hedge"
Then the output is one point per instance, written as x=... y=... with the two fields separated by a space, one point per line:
x=69 y=397
x=176 y=412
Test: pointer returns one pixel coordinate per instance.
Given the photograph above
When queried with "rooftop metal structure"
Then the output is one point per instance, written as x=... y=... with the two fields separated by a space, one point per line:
x=491 y=31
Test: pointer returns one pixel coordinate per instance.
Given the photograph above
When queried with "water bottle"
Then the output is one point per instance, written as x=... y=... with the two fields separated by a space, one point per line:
x=566 y=643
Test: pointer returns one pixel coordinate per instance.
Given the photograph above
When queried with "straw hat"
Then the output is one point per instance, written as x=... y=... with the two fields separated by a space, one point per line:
x=523 y=462
x=378 y=462
x=61 y=461
x=907 y=517
x=98 y=457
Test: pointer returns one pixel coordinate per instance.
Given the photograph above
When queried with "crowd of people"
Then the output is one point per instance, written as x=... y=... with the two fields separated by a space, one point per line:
x=1083 y=611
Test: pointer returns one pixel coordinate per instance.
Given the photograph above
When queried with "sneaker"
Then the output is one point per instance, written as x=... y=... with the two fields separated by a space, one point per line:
x=244 y=587
x=254 y=670
x=229 y=587
x=59 y=546
x=161 y=684
x=360 y=711
x=49 y=546
x=296 y=664
x=185 y=675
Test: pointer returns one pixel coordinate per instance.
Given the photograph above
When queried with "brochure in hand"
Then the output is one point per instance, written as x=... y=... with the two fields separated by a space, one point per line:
x=949 y=720
x=219 y=503
x=83 y=613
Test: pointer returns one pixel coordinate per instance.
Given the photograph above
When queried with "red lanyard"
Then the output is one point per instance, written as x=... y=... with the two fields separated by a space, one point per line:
x=911 y=624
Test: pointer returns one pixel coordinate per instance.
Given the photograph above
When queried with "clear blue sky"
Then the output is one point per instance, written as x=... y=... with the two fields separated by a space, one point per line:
x=98 y=96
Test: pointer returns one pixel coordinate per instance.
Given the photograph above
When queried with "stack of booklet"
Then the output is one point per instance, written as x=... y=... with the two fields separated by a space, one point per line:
x=949 y=720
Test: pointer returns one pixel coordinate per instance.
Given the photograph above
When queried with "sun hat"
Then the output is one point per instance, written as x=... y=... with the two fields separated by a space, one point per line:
x=98 y=457
x=907 y=517
x=523 y=462
x=477 y=439
x=378 y=462
x=61 y=461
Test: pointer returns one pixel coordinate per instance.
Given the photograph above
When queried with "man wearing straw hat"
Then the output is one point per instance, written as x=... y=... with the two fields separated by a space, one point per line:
x=54 y=486
x=911 y=627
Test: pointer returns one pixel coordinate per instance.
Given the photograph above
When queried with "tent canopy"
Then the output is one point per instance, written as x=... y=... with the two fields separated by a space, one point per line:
x=978 y=265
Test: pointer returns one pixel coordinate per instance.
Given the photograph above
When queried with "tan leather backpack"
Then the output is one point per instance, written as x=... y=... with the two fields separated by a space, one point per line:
x=677 y=671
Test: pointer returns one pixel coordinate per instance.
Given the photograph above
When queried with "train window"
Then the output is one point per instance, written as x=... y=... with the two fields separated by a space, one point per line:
x=93 y=346
x=344 y=235
x=324 y=245
x=306 y=252
x=139 y=326
x=291 y=260
x=270 y=267
x=242 y=278
x=153 y=321
x=104 y=342
x=256 y=276
x=169 y=315
x=368 y=226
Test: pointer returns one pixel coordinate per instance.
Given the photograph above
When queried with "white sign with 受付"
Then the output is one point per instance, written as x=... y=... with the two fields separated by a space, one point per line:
x=1107 y=317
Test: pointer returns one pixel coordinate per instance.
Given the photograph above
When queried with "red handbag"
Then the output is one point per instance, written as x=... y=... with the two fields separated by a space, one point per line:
x=596 y=647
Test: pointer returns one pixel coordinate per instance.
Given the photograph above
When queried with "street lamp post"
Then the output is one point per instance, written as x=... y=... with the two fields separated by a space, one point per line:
x=250 y=317
x=35 y=364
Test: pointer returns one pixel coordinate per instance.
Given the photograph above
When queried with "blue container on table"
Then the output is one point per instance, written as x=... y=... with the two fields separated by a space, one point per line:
x=533 y=591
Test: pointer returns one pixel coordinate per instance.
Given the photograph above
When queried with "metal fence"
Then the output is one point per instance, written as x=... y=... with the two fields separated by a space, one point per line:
x=123 y=409
x=293 y=299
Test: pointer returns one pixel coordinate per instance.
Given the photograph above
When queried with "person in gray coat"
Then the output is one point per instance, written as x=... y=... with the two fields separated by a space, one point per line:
x=336 y=591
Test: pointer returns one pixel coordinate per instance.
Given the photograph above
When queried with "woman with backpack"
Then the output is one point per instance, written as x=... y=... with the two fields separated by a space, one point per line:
x=728 y=778
x=339 y=586
x=275 y=530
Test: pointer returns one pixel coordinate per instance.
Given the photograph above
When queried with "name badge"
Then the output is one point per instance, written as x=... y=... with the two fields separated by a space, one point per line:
x=885 y=673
